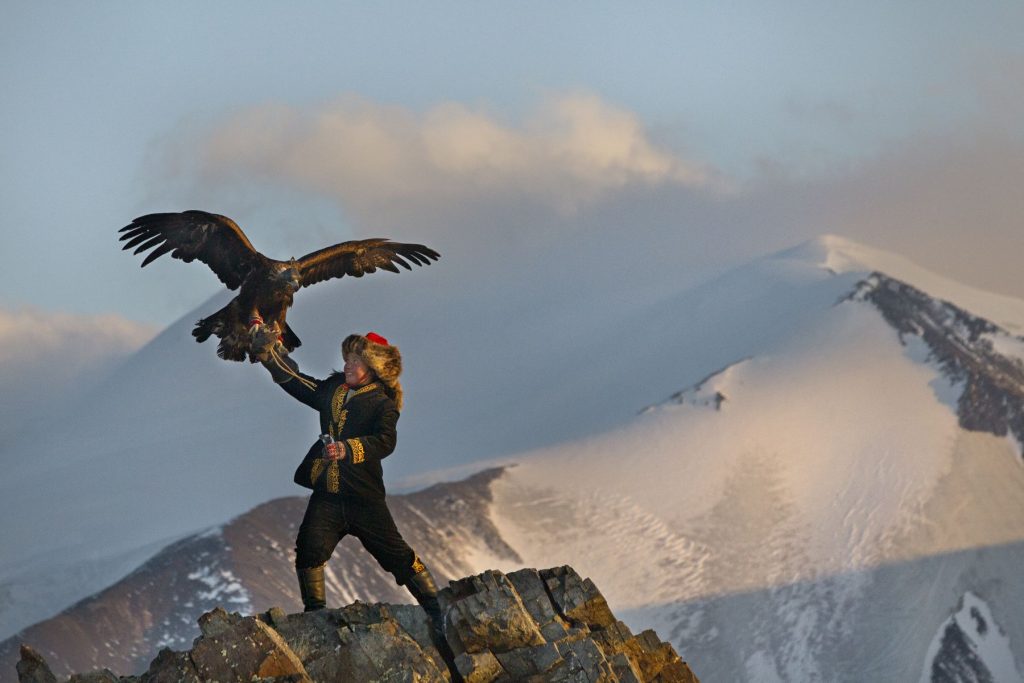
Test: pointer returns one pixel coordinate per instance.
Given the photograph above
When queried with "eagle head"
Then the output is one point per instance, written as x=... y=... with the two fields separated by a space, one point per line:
x=287 y=274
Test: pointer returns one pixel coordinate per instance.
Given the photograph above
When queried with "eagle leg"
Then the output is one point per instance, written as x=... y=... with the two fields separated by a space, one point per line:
x=255 y=320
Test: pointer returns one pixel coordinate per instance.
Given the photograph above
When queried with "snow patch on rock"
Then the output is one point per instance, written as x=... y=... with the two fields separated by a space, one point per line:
x=970 y=645
x=711 y=392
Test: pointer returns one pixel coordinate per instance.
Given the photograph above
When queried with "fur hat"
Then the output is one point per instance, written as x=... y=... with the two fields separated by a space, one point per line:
x=382 y=358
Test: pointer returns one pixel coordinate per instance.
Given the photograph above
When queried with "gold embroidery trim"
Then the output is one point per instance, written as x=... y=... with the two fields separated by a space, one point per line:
x=362 y=390
x=358 y=454
x=337 y=401
x=417 y=566
x=316 y=470
x=333 y=477
x=335 y=427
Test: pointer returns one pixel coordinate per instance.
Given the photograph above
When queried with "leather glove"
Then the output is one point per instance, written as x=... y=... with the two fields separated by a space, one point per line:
x=264 y=338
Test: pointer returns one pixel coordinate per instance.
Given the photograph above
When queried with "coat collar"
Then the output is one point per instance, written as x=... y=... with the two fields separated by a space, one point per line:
x=351 y=393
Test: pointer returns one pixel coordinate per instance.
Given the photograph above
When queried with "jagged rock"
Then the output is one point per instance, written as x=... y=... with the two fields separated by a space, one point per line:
x=171 y=666
x=657 y=661
x=276 y=616
x=32 y=668
x=232 y=648
x=218 y=621
x=478 y=668
x=549 y=625
x=387 y=652
x=101 y=676
x=580 y=639
x=364 y=642
x=236 y=648
x=537 y=601
x=488 y=614
x=577 y=599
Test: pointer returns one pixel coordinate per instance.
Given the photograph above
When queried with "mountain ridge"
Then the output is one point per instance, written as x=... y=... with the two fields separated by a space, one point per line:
x=849 y=423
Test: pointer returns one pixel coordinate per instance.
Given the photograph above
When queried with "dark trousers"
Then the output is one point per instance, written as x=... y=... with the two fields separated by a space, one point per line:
x=329 y=518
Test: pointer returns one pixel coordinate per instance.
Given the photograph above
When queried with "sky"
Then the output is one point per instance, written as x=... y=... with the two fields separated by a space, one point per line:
x=663 y=136
x=572 y=162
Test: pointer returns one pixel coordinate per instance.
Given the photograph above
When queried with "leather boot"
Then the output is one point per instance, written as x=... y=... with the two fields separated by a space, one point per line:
x=311 y=587
x=423 y=588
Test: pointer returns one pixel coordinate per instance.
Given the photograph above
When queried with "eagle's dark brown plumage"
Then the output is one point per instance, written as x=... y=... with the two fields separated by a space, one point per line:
x=267 y=286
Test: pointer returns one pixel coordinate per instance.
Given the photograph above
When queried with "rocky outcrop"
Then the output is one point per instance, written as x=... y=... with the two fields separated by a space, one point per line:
x=528 y=625
x=965 y=347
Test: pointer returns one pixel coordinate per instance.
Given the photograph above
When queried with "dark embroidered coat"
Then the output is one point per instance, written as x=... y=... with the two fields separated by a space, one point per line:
x=363 y=420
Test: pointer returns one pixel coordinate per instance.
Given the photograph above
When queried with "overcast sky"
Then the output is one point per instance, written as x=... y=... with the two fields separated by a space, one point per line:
x=705 y=132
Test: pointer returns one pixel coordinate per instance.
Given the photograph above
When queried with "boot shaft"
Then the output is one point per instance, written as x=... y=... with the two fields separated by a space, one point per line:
x=424 y=590
x=311 y=587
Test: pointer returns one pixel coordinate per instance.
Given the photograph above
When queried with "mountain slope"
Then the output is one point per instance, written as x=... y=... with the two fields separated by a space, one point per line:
x=826 y=502
x=761 y=518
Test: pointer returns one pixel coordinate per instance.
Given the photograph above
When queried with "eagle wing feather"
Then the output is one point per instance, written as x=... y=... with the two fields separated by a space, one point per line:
x=215 y=240
x=358 y=257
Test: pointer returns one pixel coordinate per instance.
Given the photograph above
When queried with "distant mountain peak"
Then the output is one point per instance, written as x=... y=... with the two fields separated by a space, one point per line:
x=981 y=362
x=842 y=255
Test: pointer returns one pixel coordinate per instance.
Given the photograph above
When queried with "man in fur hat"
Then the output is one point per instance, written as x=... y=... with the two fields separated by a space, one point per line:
x=358 y=409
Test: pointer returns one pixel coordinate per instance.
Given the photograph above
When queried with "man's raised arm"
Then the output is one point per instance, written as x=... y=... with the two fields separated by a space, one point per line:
x=283 y=369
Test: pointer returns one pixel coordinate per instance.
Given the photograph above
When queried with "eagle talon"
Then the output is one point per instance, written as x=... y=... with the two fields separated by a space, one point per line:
x=265 y=338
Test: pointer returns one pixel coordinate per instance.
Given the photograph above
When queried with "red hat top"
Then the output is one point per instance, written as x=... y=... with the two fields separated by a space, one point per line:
x=376 y=338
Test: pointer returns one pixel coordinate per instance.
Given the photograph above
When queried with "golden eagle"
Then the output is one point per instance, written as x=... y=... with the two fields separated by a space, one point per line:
x=267 y=285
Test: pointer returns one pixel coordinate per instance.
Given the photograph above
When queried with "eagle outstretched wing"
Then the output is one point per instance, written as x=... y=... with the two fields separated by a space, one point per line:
x=361 y=256
x=215 y=240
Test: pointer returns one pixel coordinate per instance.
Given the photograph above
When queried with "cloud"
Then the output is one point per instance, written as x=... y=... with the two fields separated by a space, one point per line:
x=28 y=336
x=952 y=203
x=46 y=356
x=580 y=191
x=572 y=151
x=949 y=199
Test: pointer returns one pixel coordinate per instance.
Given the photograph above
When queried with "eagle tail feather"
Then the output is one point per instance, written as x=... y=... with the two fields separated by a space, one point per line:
x=229 y=351
x=290 y=339
x=203 y=329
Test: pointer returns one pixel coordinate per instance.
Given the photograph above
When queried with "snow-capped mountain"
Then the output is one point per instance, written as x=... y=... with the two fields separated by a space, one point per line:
x=817 y=509
x=802 y=470
x=820 y=509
